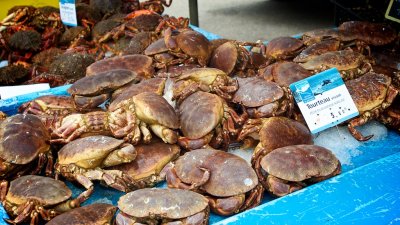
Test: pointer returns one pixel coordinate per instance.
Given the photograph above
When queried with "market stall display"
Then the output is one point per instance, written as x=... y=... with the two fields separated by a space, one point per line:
x=168 y=95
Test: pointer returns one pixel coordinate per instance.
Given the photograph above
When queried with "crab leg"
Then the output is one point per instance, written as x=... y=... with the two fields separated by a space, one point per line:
x=3 y=190
x=126 y=154
x=226 y=206
x=254 y=198
x=23 y=212
x=50 y=164
x=167 y=135
x=42 y=160
x=146 y=133
x=194 y=143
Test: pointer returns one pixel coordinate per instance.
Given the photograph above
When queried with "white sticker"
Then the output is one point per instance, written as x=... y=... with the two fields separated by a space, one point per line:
x=324 y=100
x=12 y=91
x=68 y=12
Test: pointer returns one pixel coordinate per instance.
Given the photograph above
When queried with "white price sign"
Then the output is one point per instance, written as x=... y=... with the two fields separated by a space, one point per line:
x=324 y=100
x=68 y=12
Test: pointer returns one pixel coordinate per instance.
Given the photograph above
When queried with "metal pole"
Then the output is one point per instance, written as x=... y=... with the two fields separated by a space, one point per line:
x=193 y=13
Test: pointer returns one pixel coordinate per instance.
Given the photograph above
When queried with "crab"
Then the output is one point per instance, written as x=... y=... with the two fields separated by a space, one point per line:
x=91 y=91
x=391 y=116
x=155 y=85
x=263 y=98
x=367 y=33
x=147 y=168
x=163 y=206
x=283 y=48
x=94 y=214
x=290 y=168
x=84 y=160
x=372 y=93
x=206 y=119
x=275 y=132
x=25 y=142
x=210 y=172
x=50 y=109
x=328 y=45
x=140 y=64
x=204 y=79
x=233 y=58
x=33 y=197
x=350 y=64
x=186 y=47
x=128 y=117
x=71 y=65
x=315 y=36
x=284 y=73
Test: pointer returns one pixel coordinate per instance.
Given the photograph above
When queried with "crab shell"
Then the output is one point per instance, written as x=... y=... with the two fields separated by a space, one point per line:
x=170 y=204
x=283 y=47
x=102 y=83
x=372 y=33
x=89 y=152
x=299 y=163
x=195 y=45
x=140 y=64
x=204 y=108
x=44 y=190
x=94 y=214
x=155 y=85
x=318 y=48
x=342 y=60
x=315 y=36
x=150 y=160
x=368 y=91
x=225 y=57
x=229 y=174
x=23 y=138
x=284 y=73
x=277 y=132
x=150 y=107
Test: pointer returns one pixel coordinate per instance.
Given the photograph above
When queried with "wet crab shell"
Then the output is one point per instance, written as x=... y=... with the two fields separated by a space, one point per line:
x=372 y=33
x=342 y=60
x=278 y=132
x=254 y=92
x=283 y=47
x=150 y=160
x=315 y=49
x=300 y=162
x=204 y=108
x=88 y=148
x=156 y=47
x=94 y=214
x=101 y=83
x=162 y=203
x=140 y=64
x=44 y=190
x=22 y=138
x=368 y=91
x=229 y=174
x=225 y=57
x=154 y=109
x=284 y=73
x=195 y=45
x=155 y=85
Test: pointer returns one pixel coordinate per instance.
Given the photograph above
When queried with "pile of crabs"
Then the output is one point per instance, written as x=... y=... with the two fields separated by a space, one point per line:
x=168 y=110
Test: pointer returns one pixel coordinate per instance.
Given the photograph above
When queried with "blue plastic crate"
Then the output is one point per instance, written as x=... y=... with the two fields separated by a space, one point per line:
x=367 y=191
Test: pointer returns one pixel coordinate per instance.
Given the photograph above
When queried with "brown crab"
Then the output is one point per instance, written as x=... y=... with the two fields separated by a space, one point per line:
x=315 y=36
x=233 y=58
x=83 y=160
x=328 y=45
x=155 y=85
x=284 y=73
x=186 y=47
x=204 y=79
x=25 y=142
x=391 y=116
x=263 y=98
x=163 y=206
x=206 y=119
x=351 y=64
x=31 y=197
x=372 y=93
x=140 y=64
x=128 y=117
x=275 y=132
x=146 y=169
x=210 y=171
x=290 y=168
x=91 y=91
x=283 y=48
x=94 y=214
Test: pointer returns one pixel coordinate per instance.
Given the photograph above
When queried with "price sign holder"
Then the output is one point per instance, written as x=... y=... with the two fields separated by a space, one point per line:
x=324 y=100
x=393 y=11
x=68 y=12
